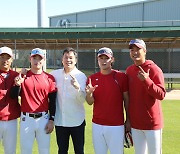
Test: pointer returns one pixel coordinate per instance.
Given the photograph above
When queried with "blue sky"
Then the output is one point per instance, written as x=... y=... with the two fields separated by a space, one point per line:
x=23 y=13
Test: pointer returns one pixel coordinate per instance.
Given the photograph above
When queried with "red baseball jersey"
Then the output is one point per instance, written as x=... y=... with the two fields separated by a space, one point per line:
x=108 y=98
x=144 y=103
x=9 y=108
x=35 y=90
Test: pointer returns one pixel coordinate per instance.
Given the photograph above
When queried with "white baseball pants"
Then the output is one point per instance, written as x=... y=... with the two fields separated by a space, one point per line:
x=8 y=135
x=30 y=129
x=108 y=137
x=147 y=141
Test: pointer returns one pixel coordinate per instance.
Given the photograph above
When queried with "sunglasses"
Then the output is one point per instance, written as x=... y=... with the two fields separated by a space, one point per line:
x=104 y=52
x=133 y=41
x=39 y=52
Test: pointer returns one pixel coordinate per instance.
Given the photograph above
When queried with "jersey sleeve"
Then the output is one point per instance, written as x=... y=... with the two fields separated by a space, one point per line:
x=125 y=82
x=52 y=83
x=155 y=84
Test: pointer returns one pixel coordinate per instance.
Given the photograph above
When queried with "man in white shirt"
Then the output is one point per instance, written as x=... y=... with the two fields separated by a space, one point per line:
x=70 y=112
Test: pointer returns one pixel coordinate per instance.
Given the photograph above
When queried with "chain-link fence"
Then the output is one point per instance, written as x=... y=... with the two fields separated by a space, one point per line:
x=166 y=59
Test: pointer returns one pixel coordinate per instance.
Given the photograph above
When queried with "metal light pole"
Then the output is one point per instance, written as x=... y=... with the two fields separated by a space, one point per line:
x=41 y=12
x=41 y=15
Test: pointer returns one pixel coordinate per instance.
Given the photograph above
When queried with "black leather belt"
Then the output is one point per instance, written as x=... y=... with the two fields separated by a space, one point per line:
x=34 y=115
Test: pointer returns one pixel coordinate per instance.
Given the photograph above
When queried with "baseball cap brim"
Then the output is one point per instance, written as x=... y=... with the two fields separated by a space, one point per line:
x=32 y=55
x=7 y=54
x=108 y=55
x=136 y=44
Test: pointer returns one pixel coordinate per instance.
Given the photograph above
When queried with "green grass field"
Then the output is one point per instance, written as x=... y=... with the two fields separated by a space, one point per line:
x=171 y=135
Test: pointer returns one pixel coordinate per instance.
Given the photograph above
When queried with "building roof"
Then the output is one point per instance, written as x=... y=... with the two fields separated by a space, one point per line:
x=118 y=37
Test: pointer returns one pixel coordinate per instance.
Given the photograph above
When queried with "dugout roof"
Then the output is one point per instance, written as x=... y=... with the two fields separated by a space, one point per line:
x=88 y=38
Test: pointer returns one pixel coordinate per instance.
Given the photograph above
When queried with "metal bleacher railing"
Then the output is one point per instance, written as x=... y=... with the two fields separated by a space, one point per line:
x=65 y=23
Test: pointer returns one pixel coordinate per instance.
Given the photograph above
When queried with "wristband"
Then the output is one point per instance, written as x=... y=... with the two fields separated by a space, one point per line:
x=51 y=118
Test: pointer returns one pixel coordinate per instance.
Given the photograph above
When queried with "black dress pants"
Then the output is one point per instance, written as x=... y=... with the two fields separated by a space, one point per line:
x=77 y=134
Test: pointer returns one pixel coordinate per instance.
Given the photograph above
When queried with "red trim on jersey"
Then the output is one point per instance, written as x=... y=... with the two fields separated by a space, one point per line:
x=35 y=90
x=108 y=96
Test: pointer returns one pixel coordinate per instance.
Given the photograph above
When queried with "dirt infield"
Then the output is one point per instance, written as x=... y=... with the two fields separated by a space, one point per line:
x=173 y=95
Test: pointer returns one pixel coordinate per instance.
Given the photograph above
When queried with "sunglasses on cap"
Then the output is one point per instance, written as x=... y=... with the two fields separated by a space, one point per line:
x=104 y=51
x=132 y=42
x=139 y=43
x=37 y=52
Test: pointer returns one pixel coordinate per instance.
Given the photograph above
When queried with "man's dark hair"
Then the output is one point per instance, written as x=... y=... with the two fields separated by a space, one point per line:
x=69 y=49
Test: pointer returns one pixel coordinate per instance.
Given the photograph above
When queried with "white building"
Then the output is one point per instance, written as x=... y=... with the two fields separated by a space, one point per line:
x=139 y=14
x=153 y=14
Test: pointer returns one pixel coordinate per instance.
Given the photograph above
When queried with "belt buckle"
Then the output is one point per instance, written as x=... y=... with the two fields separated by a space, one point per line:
x=34 y=116
x=37 y=115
